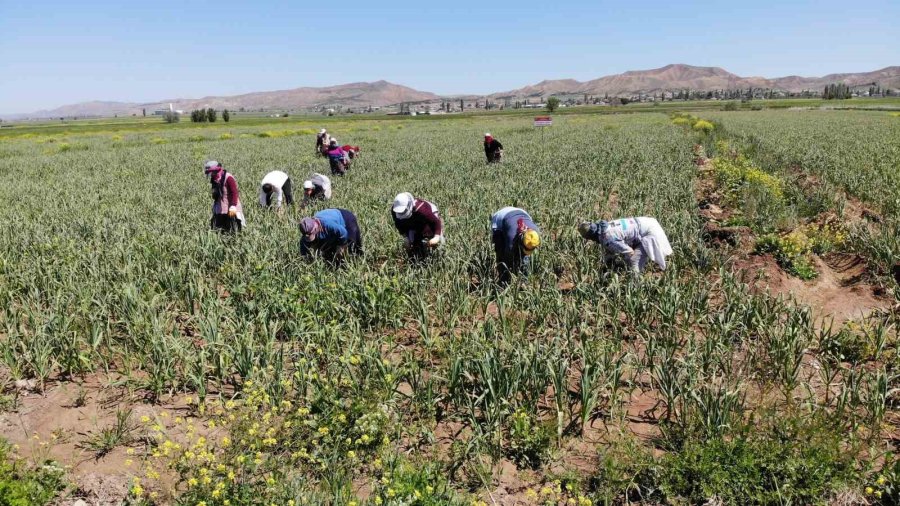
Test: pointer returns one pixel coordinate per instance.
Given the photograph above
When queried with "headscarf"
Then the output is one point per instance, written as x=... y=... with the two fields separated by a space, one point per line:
x=403 y=205
x=310 y=228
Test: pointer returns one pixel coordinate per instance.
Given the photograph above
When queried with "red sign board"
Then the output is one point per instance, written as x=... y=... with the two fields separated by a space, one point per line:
x=542 y=121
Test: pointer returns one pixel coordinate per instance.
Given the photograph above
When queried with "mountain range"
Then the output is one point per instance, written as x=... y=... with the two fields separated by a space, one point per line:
x=382 y=93
x=680 y=76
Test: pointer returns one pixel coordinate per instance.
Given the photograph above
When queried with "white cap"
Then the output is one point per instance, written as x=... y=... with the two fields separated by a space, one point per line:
x=210 y=164
x=322 y=131
x=403 y=205
x=308 y=184
x=487 y=135
x=334 y=140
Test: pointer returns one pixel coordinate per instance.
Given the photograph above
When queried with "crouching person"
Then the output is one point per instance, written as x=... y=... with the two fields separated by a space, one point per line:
x=317 y=187
x=331 y=233
x=636 y=240
x=515 y=237
x=420 y=224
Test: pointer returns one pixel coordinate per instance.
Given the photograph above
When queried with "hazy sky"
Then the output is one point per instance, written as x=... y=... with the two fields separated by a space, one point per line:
x=54 y=53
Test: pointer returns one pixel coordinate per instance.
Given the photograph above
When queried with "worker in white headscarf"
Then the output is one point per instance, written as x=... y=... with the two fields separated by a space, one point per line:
x=637 y=240
x=420 y=224
x=317 y=187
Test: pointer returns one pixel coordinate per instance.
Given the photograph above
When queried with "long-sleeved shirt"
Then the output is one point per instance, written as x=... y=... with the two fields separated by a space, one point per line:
x=337 y=153
x=505 y=228
x=621 y=236
x=321 y=186
x=333 y=233
x=638 y=239
x=424 y=223
x=230 y=196
x=276 y=178
x=491 y=148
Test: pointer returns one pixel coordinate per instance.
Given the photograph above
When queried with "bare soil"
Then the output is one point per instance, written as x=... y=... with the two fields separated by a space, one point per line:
x=840 y=292
x=55 y=424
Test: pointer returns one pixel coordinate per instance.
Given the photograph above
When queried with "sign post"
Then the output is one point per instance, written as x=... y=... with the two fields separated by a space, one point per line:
x=541 y=122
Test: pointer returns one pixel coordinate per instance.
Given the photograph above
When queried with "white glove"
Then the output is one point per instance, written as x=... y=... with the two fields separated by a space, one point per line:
x=232 y=211
x=435 y=241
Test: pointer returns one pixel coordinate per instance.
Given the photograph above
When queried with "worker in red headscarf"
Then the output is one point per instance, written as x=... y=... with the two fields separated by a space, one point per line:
x=227 y=212
x=493 y=150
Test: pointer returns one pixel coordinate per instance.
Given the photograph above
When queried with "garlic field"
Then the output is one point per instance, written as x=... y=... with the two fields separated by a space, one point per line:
x=231 y=371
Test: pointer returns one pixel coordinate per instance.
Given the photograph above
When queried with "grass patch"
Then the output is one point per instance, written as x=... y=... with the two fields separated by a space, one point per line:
x=794 y=462
x=103 y=441
x=23 y=485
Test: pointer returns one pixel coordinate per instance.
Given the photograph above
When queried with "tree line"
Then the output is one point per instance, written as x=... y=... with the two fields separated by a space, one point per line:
x=209 y=115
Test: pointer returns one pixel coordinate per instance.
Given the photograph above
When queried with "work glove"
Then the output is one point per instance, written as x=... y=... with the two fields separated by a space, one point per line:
x=434 y=242
x=232 y=211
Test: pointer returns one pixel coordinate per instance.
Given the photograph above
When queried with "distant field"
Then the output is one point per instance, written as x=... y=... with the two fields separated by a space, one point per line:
x=261 y=119
x=185 y=367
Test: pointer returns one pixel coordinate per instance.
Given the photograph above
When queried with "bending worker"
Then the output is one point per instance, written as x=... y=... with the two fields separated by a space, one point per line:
x=317 y=187
x=275 y=190
x=333 y=233
x=337 y=158
x=636 y=239
x=227 y=212
x=420 y=224
x=322 y=142
x=515 y=237
x=493 y=150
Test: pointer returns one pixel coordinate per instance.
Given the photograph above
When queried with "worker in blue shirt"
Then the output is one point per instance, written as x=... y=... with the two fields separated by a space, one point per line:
x=333 y=233
x=515 y=237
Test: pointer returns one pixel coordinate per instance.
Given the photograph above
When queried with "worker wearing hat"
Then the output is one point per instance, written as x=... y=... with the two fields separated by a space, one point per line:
x=333 y=233
x=227 y=212
x=322 y=142
x=493 y=150
x=317 y=187
x=638 y=240
x=515 y=237
x=420 y=224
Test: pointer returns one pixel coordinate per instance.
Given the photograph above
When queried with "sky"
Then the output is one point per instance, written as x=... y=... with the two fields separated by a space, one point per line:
x=54 y=53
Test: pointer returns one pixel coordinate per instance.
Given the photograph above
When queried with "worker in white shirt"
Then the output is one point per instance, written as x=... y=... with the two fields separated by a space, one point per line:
x=275 y=191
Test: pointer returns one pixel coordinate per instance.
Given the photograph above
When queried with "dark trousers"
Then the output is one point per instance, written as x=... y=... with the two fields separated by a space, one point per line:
x=288 y=191
x=338 y=167
x=418 y=249
x=509 y=262
x=225 y=223
x=354 y=237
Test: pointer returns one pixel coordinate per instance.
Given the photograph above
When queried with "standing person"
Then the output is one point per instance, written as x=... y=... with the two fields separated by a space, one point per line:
x=515 y=237
x=333 y=233
x=420 y=224
x=636 y=239
x=227 y=212
x=337 y=158
x=275 y=189
x=317 y=187
x=322 y=142
x=493 y=150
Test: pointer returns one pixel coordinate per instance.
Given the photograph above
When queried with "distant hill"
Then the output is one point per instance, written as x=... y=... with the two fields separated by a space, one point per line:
x=382 y=93
x=377 y=94
x=680 y=76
